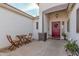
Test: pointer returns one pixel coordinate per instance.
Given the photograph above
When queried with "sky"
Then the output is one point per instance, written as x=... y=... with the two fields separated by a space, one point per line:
x=29 y=8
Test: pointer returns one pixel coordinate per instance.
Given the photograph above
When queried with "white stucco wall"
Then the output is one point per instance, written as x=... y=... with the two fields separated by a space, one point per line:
x=35 y=31
x=72 y=16
x=40 y=20
x=13 y=24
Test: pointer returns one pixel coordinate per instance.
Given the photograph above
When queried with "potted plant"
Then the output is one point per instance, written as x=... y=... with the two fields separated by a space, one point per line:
x=64 y=35
x=72 y=47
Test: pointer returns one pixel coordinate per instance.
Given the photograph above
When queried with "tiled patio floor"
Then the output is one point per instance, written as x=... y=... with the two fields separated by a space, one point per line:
x=40 y=48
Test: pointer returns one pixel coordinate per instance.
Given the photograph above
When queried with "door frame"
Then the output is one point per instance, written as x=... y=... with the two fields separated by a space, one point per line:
x=59 y=28
x=50 y=30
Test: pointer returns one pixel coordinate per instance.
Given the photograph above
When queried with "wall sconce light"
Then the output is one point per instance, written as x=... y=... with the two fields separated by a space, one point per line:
x=56 y=15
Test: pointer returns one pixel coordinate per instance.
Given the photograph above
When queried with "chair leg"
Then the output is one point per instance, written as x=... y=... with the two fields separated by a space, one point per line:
x=12 y=47
x=20 y=43
x=17 y=46
x=26 y=41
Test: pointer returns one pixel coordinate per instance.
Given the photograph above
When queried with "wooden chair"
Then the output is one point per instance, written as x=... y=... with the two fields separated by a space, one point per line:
x=20 y=39
x=14 y=44
x=25 y=38
x=30 y=37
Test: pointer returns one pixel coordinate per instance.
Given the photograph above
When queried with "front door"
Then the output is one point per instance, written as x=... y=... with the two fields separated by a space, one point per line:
x=56 y=29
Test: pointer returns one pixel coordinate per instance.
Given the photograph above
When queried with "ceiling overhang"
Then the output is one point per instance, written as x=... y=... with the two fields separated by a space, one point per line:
x=56 y=8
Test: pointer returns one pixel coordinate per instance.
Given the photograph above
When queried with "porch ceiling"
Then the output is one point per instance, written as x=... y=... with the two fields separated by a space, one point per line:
x=56 y=8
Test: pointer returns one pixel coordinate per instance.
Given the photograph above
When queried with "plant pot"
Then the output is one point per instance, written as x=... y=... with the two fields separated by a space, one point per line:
x=68 y=52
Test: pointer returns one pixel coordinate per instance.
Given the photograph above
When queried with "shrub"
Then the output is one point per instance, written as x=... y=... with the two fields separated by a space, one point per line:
x=71 y=46
x=64 y=35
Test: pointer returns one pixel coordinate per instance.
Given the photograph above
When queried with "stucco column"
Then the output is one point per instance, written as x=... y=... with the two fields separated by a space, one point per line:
x=65 y=26
x=42 y=34
x=40 y=22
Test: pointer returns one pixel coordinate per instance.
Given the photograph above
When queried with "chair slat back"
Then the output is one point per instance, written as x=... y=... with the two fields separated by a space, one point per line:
x=9 y=38
x=19 y=37
x=30 y=36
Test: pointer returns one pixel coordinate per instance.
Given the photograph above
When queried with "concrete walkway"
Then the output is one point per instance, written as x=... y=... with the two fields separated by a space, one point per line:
x=40 y=48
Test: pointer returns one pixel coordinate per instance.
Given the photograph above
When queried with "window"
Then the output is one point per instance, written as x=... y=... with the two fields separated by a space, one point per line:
x=68 y=26
x=63 y=23
x=36 y=25
x=77 y=21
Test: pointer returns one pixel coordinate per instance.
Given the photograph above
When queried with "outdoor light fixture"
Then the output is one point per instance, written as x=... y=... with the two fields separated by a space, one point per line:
x=56 y=15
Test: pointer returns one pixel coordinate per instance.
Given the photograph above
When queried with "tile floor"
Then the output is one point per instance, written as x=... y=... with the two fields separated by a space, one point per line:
x=40 y=48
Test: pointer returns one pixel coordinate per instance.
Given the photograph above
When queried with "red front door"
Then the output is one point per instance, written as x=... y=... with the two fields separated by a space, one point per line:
x=56 y=29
